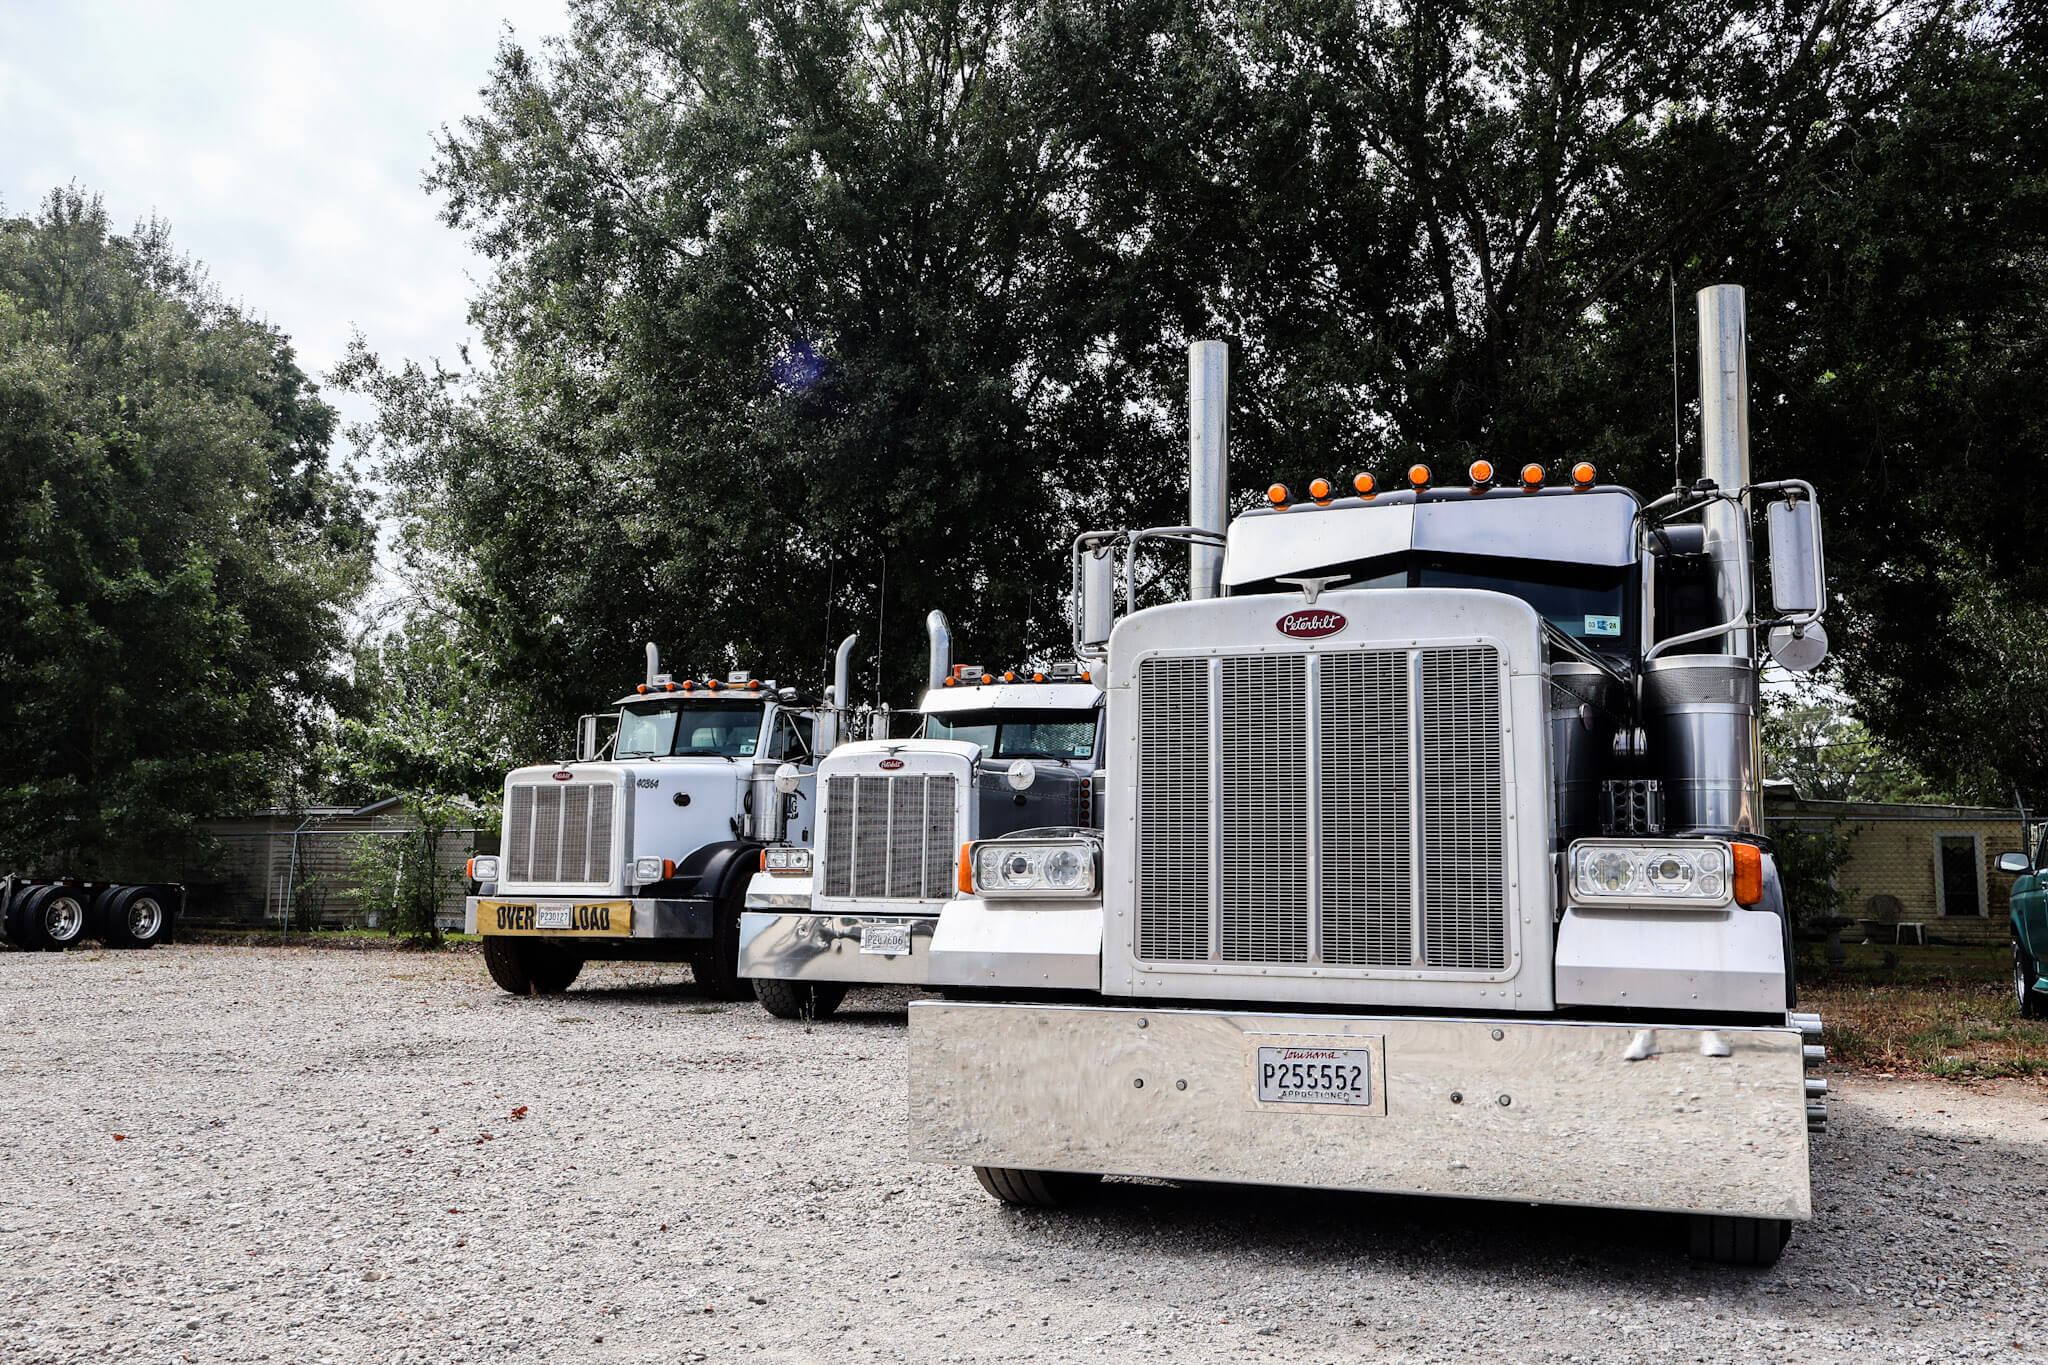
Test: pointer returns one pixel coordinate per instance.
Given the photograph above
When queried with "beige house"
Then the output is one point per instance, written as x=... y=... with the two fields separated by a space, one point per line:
x=1914 y=864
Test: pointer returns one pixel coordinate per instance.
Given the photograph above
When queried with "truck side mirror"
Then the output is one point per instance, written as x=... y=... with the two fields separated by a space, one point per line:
x=586 y=738
x=2013 y=864
x=1098 y=595
x=1798 y=572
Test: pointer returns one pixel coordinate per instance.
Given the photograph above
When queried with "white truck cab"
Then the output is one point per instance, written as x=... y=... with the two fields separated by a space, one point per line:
x=995 y=753
x=641 y=848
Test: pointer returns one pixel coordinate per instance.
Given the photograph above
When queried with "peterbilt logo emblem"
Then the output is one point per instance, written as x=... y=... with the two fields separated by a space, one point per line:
x=564 y=775
x=891 y=764
x=1310 y=625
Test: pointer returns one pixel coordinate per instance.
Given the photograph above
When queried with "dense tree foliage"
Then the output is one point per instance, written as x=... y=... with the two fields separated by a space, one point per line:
x=787 y=296
x=175 y=550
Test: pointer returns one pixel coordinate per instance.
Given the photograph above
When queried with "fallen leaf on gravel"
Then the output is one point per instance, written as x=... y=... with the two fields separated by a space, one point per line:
x=120 y=1137
x=455 y=1210
x=520 y=1112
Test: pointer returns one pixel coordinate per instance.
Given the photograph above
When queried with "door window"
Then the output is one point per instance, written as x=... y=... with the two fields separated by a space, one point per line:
x=792 y=739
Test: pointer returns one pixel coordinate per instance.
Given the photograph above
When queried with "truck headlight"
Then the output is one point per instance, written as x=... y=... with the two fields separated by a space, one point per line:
x=1682 y=872
x=647 y=870
x=483 y=868
x=786 y=861
x=1034 y=867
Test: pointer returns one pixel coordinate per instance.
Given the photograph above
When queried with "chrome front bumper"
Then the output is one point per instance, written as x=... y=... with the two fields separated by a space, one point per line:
x=1682 y=1119
x=800 y=946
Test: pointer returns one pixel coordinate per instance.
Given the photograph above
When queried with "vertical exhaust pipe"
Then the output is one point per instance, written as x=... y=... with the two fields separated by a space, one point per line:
x=942 y=650
x=1208 y=461
x=653 y=662
x=1724 y=451
x=842 y=672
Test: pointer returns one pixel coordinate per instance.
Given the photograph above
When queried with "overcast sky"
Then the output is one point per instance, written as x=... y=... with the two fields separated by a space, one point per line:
x=284 y=142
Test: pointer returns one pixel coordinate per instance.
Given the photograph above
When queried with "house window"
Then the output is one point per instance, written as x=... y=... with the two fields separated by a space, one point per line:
x=1959 y=874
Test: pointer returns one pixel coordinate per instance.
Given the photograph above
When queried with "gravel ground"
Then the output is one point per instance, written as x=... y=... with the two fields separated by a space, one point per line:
x=237 y=1154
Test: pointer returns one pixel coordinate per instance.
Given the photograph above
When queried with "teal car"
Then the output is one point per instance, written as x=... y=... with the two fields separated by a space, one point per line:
x=2029 y=928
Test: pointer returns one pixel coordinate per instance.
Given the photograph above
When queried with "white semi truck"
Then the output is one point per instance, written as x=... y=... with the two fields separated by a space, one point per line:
x=1432 y=859
x=642 y=847
x=996 y=753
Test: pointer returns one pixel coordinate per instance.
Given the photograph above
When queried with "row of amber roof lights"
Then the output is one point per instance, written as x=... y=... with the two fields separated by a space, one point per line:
x=1320 y=491
x=709 y=685
x=965 y=675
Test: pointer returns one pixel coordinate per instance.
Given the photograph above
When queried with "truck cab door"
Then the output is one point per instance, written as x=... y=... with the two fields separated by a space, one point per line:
x=792 y=738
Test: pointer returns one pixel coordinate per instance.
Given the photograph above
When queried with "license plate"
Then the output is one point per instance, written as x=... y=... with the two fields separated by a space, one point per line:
x=553 y=917
x=890 y=940
x=1315 y=1075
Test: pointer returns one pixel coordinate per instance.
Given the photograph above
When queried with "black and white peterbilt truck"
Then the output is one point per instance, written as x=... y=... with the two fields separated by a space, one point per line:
x=1432 y=860
x=51 y=914
x=996 y=753
x=641 y=848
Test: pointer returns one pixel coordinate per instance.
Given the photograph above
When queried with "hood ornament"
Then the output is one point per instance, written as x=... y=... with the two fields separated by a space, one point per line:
x=1312 y=588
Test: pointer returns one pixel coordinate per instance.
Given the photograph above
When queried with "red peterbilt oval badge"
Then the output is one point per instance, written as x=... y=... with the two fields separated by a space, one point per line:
x=1311 y=625
x=891 y=764
x=564 y=775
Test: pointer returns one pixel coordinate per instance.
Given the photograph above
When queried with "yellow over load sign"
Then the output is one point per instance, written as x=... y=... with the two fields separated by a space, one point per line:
x=556 y=917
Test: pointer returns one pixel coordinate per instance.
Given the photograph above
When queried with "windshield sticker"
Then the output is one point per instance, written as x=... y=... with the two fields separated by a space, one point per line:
x=1603 y=625
x=1084 y=751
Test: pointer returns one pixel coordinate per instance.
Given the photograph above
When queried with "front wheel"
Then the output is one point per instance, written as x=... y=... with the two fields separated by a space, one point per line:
x=2033 y=1004
x=525 y=966
x=798 y=999
x=1035 y=1189
x=1738 y=1241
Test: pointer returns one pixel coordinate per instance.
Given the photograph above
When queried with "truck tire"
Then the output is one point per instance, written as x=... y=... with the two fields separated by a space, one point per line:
x=529 y=967
x=2032 y=1004
x=134 y=917
x=798 y=999
x=716 y=964
x=51 y=918
x=1035 y=1189
x=1738 y=1241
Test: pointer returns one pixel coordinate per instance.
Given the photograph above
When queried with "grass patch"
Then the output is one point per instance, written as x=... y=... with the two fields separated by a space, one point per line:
x=311 y=938
x=1945 y=1011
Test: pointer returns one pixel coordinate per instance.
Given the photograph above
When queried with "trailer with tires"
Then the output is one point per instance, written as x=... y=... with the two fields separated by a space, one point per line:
x=50 y=914
x=997 y=751
x=1432 y=860
x=640 y=848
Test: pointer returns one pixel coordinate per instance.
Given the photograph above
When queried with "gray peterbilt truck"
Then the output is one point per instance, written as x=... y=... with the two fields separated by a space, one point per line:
x=1432 y=858
x=995 y=753
x=640 y=848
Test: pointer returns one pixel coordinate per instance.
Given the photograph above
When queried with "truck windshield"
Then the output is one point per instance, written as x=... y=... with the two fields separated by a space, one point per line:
x=1592 y=603
x=1020 y=734
x=684 y=729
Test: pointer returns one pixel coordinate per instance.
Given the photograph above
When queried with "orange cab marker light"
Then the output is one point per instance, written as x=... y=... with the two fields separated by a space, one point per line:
x=986 y=680
x=1583 y=474
x=642 y=688
x=1038 y=677
x=1482 y=475
x=1086 y=676
x=1418 y=476
x=668 y=866
x=951 y=681
x=469 y=868
x=1532 y=476
x=1319 y=489
x=755 y=685
x=688 y=685
x=1009 y=676
x=764 y=860
x=1749 y=873
x=1365 y=484
x=711 y=683
x=966 y=871
x=1277 y=495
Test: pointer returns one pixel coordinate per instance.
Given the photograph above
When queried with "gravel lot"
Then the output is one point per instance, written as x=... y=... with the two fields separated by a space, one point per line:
x=235 y=1154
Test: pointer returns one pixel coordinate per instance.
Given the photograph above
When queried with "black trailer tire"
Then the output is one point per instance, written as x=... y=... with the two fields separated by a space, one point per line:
x=524 y=966
x=51 y=918
x=716 y=964
x=134 y=917
x=1738 y=1241
x=799 y=999
x=2032 y=1004
x=1035 y=1189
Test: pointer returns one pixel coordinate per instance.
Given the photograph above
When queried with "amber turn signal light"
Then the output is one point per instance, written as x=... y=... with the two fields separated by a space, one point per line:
x=966 y=872
x=1418 y=476
x=1583 y=474
x=1749 y=873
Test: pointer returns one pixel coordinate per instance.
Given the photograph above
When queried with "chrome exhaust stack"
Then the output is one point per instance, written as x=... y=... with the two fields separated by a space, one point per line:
x=653 y=662
x=941 y=634
x=1815 y=1053
x=1208 y=462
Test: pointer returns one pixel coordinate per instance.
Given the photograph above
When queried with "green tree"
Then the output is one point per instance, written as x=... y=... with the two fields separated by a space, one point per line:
x=1813 y=739
x=176 y=551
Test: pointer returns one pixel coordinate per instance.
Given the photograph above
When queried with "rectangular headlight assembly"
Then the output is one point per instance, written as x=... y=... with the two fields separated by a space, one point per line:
x=1694 y=874
x=786 y=861
x=1040 y=869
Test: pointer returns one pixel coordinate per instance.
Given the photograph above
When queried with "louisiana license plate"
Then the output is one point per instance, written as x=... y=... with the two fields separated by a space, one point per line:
x=1314 y=1075
x=554 y=917
x=890 y=940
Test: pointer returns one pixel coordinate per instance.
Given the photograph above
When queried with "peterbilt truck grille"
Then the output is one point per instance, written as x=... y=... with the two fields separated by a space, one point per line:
x=560 y=832
x=891 y=838
x=1344 y=808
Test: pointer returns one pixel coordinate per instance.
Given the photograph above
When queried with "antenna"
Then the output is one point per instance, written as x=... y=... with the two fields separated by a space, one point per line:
x=1677 y=431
